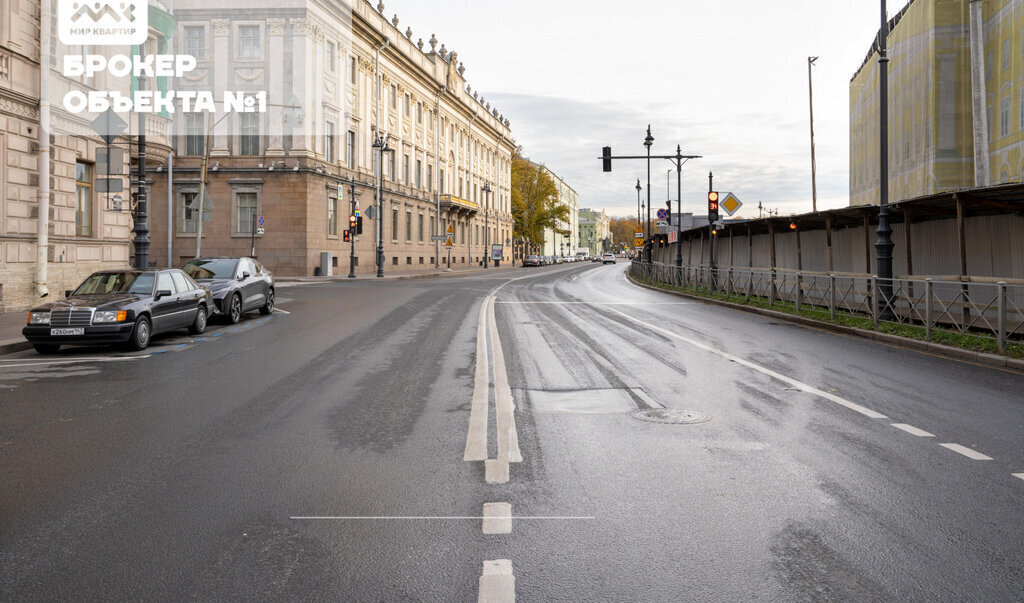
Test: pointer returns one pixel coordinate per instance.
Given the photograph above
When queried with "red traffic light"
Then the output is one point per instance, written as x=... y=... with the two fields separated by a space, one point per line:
x=346 y=236
x=352 y=221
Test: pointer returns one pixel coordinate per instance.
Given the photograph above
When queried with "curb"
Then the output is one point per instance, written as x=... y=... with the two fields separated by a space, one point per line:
x=993 y=360
x=369 y=277
x=10 y=346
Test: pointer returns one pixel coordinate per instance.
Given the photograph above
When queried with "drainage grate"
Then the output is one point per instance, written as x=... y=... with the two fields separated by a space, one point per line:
x=671 y=416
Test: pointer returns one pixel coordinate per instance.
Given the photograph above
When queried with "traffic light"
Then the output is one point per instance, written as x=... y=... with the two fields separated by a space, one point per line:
x=359 y=225
x=712 y=206
x=606 y=158
x=347 y=237
x=352 y=221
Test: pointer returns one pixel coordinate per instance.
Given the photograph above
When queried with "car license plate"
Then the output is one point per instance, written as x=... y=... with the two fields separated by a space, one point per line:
x=78 y=331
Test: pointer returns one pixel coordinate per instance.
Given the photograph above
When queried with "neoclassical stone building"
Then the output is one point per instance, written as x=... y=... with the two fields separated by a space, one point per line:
x=336 y=80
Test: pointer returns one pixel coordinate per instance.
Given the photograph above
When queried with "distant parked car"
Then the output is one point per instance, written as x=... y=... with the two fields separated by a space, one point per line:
x=531 y=260
x=120 y=306
x=608 y=259
x=238 y=285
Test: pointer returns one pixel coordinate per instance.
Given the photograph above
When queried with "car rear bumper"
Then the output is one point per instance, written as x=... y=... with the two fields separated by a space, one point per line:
x=94 y=335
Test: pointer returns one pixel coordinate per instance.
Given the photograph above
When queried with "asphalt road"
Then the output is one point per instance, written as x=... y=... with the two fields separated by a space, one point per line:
x=318 y=454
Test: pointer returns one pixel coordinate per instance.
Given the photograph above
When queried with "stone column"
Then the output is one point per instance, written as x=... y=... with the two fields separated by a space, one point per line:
x=274 y=78
x=221 y=48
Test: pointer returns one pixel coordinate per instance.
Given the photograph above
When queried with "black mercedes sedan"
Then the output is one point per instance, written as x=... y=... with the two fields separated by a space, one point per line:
x=238 y=285
x=120 y=306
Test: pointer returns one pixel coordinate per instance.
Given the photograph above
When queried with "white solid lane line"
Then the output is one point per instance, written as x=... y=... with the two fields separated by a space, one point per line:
x=497 y=583
x=968 y=452
x=74 y=361
x=476 y=437
x=913 y=430
x=766 y=371
x=508 y=438
x=497 y=518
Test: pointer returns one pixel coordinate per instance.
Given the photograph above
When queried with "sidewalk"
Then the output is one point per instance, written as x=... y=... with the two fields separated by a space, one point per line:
x=11 y=323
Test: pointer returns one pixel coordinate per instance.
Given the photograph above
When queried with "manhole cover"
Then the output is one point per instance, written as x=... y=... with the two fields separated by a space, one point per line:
x=671 y=416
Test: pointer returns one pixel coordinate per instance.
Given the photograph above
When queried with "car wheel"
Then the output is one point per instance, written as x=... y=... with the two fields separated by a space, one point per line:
x=140 y=334
x=199 y=324
x=268 y=307
x=235 y=309
x=46 y=348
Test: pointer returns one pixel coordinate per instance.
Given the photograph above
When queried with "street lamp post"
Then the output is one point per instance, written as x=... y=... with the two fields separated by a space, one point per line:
x=884 y=244
x=648 y=141
x=380 y=146
x=487 y=196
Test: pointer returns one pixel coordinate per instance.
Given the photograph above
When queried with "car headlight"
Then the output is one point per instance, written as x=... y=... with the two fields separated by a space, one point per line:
x=104 y=316
x=38 y=318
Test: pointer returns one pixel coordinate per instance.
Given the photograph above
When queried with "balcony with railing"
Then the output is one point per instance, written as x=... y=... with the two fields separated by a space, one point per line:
x=462 y=206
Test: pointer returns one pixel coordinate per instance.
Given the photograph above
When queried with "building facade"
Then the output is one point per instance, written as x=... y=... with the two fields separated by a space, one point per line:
x=932 y=125
x=562 y=239
x=350 y=96
x=317 y=83
x=595 y=231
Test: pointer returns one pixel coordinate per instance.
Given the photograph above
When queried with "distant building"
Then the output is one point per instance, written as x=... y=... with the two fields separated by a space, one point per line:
x=561 y=240
x=932 y=127
x=595 y=230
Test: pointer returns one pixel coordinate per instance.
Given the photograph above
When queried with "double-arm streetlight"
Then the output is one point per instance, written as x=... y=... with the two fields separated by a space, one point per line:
x=380 y=146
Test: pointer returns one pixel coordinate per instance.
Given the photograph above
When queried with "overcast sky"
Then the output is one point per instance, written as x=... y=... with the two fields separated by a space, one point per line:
x=725 y=79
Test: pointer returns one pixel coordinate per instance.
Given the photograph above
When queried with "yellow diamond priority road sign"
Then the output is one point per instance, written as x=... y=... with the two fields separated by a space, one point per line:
x=730 y=204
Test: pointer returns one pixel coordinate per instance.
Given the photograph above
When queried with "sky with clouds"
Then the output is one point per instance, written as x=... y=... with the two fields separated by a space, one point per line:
x=723 y=79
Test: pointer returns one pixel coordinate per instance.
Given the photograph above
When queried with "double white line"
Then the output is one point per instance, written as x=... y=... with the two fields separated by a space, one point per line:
x=496 y=469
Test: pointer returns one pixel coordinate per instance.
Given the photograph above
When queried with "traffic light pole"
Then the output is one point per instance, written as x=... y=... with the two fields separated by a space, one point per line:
x=679 y=159
x=352 y=234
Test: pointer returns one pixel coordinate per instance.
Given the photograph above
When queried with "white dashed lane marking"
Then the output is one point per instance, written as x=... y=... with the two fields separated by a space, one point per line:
x=968 y=452
x=913 y=430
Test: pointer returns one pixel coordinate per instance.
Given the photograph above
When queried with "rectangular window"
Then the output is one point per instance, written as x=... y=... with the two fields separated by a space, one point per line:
x=394 y=225
x=432 y=230
x=188 y=214
x=405 y=170
x=195 y=42
x=249 y=125
x=83 y=199
x=1004 y=117
x=419 y=227
x=249 y=41
x=408 y=103
x=194 y=134
x=329 y=52
x=430 y=170
x=391 y=166
x=419 y=174
x=352 y=70
x=462 y=227
x=460 y=188
x=332 y=216
x=247 y=206
x=328 y=142
x=1006 y=54
x=440 y=181
x=394 y=96
x=350 y=149
x=408 y=226
x=419 y=113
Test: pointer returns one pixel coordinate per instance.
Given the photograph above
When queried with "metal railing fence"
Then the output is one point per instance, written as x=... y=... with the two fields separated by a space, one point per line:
x=966 y=308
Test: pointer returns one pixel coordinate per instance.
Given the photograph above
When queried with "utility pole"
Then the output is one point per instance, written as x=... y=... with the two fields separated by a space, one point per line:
x=810 y=94
x=141 y=228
